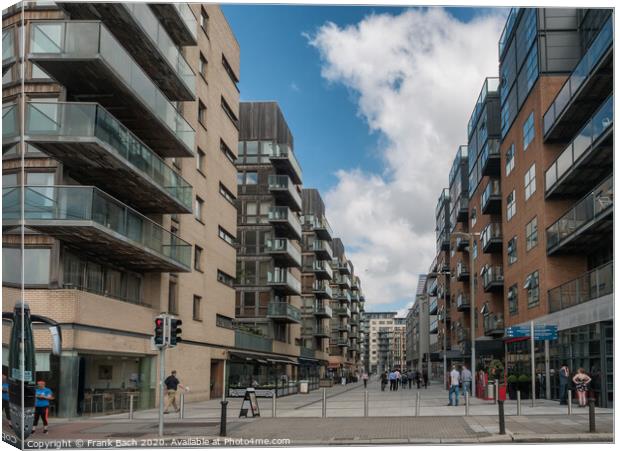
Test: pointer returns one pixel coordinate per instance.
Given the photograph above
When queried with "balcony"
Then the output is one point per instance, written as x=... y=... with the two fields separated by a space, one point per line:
x=321 y=289
x=442 y=202
x=100 y=69
x=592 y=285
x=95 y=222
x=491 y=198
x=283 y=281
x=462 y=302
x=588 y=157
x=433 y=327
x=343 y=281
x=145 y=38
x=494 y=325
x=342 y=327
x=491 y=238
x=585 y=226
x=100 y=150
x=322 y=311
x=462 y=334
x=490 y=160
x=253 y=342
x=322 y=269
x=342 y=311
x=590 y=82
x=283 y=312
x=462 y=208
x=443 y=241
x=492 y=278
x=341 y=342
x=432 y=306
x=283 y=158
x=322 y=229
x=283 y=252
x=319 y=331
x=285 y=191
x=462 y=272
x=285 y=222
x=355 y=297
x=322 y=249
x=490 y=86
x=8 y=49
x=461 y=243
x=179 y=21
x=10 y=125
x=342 y=295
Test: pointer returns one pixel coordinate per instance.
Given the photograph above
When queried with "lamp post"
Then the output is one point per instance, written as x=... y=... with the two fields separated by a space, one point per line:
x=472 y=303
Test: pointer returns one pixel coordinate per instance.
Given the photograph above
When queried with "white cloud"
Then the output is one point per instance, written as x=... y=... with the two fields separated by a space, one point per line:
x=294 y=87
x=416 y=77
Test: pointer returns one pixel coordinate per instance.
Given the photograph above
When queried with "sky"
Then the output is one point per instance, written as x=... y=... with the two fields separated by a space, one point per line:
x=378 y=100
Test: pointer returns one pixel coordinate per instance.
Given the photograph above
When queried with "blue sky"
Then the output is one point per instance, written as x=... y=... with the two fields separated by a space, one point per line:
x=331 y=121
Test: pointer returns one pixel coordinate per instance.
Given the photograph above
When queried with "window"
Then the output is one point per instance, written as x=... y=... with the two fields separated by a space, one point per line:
x=510 y=159
x=512 y=250
x=200 y=161
x=513 y=300
x=474 y=217
x=229 y=112
x=251 y=178
x=531 y=234
x=203 y=66
x=196 y=312
x=198 y=258
x=225 y=278
x=528 y=131
x=531 y=285
x=226 y=236
x=475 y=249
x=36 y=262
x=530 y=181
x=172 y=297
x=202 y=113
x=204 y=20
x=227 y=152
x=230 y=197
x=223 y=321
x=511 y=205
x=198 y=208
x=229 y=71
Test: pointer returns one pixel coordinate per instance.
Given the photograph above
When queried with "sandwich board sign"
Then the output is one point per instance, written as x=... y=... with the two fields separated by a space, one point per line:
x=250 y=403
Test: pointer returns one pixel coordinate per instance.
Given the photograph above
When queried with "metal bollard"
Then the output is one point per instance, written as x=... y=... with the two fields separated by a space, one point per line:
x=274 y=405
x=466 y=403
x=591 y=415
x=502 y=423
x=496 y=391
x=417 y=404
x=131 y=407
x=518 y=402
x=365 y=403
x=182 y=407
x=570 y=402
x=223 y=419
x=324 y=413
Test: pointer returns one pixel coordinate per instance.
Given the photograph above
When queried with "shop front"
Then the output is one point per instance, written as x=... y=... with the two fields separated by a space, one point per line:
x=266 y=374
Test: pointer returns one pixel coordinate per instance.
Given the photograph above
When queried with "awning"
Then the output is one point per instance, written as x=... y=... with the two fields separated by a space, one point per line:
x=283 y=360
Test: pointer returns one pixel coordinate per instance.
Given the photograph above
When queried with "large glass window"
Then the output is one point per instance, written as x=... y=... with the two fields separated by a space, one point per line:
x=531 y=234
x=512 y=250
x=511 y=205
x=36 y=262
x=528 y=131
x=510 y=159
x=532 y=287
x=513 y=299
x=530 y=181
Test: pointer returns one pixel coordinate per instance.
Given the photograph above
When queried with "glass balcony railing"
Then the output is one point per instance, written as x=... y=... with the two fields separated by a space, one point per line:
x=491 y=84
x=323 y=247
x=72 y=40
x=179 y=20
x=492 y=275
x=82 y=121
x=462 y=301
x=600 y=122
x=10 y=121
x=283 y=310
x=587 y=287
x=286 y=215
x=323 y=310
x=283 y=152
x=247 y=340
x=283 y=183
x=322 y=287
x=490 y=234
x=281 y=276
x=462 y=334
x=432 y=306
x=87 y=203
x=598 y=203
x=8 y=44
x=489 y=152
x=492 y=191
x=342 y=311
x=282 y=245
x=441 y=202
x=322 y=266
x=493 y=323
x=510 y=23
x=462 y=271
x=588 y=62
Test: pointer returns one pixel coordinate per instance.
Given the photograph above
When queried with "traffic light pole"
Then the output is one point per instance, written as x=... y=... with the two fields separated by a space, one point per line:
x=162 y=369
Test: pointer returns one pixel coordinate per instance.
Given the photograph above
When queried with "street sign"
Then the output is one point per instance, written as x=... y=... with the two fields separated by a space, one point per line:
x=541 y=332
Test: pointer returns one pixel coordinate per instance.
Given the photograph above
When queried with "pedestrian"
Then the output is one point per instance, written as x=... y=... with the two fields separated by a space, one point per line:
x=418 y=378
x=5 y=398
x=403 y=379
x=581 y=381
x=384 y=380
x=397 y=382
x=365 y=379
x=564 y=375
x=42 y=405
x=455 y=379
x=425 y=378
x=410 y=377
x=172 y=384
x=466 y=380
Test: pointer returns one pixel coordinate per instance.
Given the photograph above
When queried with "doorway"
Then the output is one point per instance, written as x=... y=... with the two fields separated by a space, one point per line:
x=217 y=375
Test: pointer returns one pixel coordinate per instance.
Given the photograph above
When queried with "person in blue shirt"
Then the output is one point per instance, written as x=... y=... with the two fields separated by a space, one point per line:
x=42 y=405
x=5 y=398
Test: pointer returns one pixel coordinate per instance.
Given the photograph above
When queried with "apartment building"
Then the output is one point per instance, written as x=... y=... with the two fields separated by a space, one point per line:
x=269 y=259
x=538 y=200
x=123 y=218
x=387 y=342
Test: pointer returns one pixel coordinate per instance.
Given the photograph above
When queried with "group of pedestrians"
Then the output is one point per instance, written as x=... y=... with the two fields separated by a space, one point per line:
x=581 y=380
x=405 y=379
x=459 y=381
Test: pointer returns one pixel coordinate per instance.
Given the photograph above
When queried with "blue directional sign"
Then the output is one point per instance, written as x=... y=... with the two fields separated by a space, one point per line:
x=541 y=332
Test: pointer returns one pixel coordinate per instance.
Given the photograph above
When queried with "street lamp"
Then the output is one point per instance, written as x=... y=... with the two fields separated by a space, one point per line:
x=472 y=303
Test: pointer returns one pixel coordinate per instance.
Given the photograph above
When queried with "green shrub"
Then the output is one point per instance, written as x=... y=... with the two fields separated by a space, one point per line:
x=513 y=379
x=524 y=378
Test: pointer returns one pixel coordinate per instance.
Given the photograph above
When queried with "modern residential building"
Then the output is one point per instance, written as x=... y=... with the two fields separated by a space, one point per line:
x=387 y=344
x=123 y=218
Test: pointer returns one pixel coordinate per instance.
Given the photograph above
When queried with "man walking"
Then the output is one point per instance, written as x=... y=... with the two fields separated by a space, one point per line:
x=42 y=405
x=172 y=384
x=397 y=381
x=466 y=380
x=418 y=377
x=365 y=379
x=425 y=378
x=564 y=376
x=384 y=380
x=455 y=379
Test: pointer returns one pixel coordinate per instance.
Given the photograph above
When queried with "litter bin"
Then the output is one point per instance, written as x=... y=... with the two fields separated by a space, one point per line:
x=490 y=391
x=303 y=387
x=502 y=392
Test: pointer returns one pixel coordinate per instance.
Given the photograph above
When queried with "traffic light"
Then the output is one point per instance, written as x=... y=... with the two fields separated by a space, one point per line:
x=175 y=331
x=159 y=331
